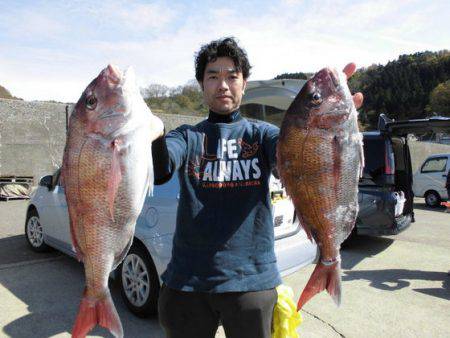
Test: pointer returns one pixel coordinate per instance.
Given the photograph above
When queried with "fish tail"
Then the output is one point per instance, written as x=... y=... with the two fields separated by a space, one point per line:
x=95 y=311
x=326 y=275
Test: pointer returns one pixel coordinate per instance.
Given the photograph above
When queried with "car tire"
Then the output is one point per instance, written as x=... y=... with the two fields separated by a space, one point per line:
x=34 y=232
x=139 y=282
x=432 y=199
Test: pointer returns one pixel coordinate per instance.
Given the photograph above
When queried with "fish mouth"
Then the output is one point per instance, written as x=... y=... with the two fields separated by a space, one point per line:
x=334 y=77
x=113 y=74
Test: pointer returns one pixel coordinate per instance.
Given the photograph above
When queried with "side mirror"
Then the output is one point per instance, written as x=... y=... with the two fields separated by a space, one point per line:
x=46 y=181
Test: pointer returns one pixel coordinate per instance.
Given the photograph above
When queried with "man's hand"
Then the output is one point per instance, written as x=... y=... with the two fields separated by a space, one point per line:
x=357 y=97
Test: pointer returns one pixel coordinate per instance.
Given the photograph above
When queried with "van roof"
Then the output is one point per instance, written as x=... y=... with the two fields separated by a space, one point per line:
x=275 y=93
x=439 y=155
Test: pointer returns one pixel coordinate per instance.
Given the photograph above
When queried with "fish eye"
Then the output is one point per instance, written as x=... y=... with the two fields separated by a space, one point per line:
x=316 y=98
x=91 y=102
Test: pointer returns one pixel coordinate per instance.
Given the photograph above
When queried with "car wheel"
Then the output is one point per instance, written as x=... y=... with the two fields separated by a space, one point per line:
x=139 y=282
x=34 y=232
x=432 y=199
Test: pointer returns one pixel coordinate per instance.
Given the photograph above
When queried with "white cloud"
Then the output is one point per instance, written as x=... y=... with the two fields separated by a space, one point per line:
x=131 y=15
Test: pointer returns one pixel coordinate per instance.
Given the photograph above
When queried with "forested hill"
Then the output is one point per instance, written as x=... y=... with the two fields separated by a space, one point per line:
x=413 y=86
x=5 y=94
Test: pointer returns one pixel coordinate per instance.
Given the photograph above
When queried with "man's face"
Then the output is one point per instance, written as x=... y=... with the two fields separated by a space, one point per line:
x=222 y=86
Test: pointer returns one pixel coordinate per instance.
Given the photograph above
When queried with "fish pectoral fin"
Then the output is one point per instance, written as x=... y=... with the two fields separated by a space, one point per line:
x=119 y=258
x=361 y=160
x=76 y=247
x=304 y=226
x=115 y=177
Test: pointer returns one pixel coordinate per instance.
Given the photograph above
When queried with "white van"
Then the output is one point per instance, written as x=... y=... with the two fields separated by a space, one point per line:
x=429 y=180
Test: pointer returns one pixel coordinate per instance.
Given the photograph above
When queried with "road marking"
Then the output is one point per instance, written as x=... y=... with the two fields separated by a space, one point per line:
x=31 y=262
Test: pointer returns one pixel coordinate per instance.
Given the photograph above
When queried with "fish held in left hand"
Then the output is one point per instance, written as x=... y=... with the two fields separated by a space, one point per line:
x=320 y=159
x=107 y=171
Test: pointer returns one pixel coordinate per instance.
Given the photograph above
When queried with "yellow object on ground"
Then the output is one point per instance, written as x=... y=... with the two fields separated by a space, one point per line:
x=286 y=318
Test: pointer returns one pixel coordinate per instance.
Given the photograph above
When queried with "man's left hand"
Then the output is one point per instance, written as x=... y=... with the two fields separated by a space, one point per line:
x=358 y=98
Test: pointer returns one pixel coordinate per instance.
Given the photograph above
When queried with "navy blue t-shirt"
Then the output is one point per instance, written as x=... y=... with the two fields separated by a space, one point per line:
x=224 y=237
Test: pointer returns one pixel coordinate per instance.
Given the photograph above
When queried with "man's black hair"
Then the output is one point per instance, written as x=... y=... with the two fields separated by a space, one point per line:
x=225 y=47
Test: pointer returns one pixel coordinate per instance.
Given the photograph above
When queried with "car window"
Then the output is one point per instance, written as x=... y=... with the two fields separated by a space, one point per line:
x=374 y=156
x=436 y=164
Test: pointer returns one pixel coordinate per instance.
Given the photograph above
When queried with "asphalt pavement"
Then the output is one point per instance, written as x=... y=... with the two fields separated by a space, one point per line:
x=395 y=286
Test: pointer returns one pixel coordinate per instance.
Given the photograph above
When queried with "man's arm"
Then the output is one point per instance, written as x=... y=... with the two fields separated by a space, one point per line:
x=270 y=141
x=168 y=154
x=161 y=162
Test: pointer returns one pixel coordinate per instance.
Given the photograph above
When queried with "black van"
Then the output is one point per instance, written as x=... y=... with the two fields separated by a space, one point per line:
x=387 y=173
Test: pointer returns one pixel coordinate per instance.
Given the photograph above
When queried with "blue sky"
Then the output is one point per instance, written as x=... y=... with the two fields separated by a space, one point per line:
x=50 y=50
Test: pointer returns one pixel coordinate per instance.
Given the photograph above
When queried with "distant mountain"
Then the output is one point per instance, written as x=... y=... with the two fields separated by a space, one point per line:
x=299 y=75
x=413 y=86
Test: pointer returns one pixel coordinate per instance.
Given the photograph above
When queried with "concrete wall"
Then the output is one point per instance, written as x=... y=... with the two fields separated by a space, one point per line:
x=33 y=135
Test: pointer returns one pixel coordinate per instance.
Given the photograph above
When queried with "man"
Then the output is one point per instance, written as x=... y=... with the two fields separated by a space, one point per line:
x=223 y=265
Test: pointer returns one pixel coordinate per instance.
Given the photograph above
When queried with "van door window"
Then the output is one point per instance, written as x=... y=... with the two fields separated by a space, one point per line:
x=434 y=165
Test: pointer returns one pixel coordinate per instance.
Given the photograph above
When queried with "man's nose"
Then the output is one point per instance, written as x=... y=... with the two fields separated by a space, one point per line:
x=223 y=85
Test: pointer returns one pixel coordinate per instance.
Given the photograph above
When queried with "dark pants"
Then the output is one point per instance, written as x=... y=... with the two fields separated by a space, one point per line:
x=197 y=314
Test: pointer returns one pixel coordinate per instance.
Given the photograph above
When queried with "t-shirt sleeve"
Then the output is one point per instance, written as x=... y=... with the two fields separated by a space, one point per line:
x=168 y=153
x=270 y=140
x=177 y=147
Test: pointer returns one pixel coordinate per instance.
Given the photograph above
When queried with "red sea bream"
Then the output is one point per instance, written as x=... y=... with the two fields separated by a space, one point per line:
x=319 y=159
x=107 y=171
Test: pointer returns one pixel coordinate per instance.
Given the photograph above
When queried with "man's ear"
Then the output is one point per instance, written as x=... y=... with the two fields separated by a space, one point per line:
x=244 y=86
x=200 y=83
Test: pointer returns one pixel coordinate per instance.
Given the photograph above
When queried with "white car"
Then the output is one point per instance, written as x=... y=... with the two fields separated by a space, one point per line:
x=47 y=226
x=429 y=180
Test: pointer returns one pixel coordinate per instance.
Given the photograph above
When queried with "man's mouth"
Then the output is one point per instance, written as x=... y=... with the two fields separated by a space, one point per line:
x=223 y=97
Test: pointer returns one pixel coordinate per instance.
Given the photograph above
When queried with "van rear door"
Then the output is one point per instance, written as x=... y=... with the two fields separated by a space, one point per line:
x=417 y=127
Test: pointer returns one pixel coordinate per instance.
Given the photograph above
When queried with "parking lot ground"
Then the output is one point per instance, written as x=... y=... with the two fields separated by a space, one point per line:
x=392 y=286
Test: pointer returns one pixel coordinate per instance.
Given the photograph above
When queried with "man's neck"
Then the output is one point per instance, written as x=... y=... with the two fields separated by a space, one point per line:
x=224 y=118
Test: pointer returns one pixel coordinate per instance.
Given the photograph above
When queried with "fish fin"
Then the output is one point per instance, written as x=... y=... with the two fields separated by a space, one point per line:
x=119 y=258
x=97 y=311
x=323 y=277
x=73 y=235
x=304 y=226
x=116 y=176
x=150 y=178
x=361 y=160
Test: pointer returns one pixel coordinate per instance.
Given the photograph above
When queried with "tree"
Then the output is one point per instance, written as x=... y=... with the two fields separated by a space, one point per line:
x=440 y=99
x=155 y=90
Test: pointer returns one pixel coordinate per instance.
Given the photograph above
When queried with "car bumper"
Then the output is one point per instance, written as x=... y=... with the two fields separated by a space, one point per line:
x=399 y=225
x=294 y=252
